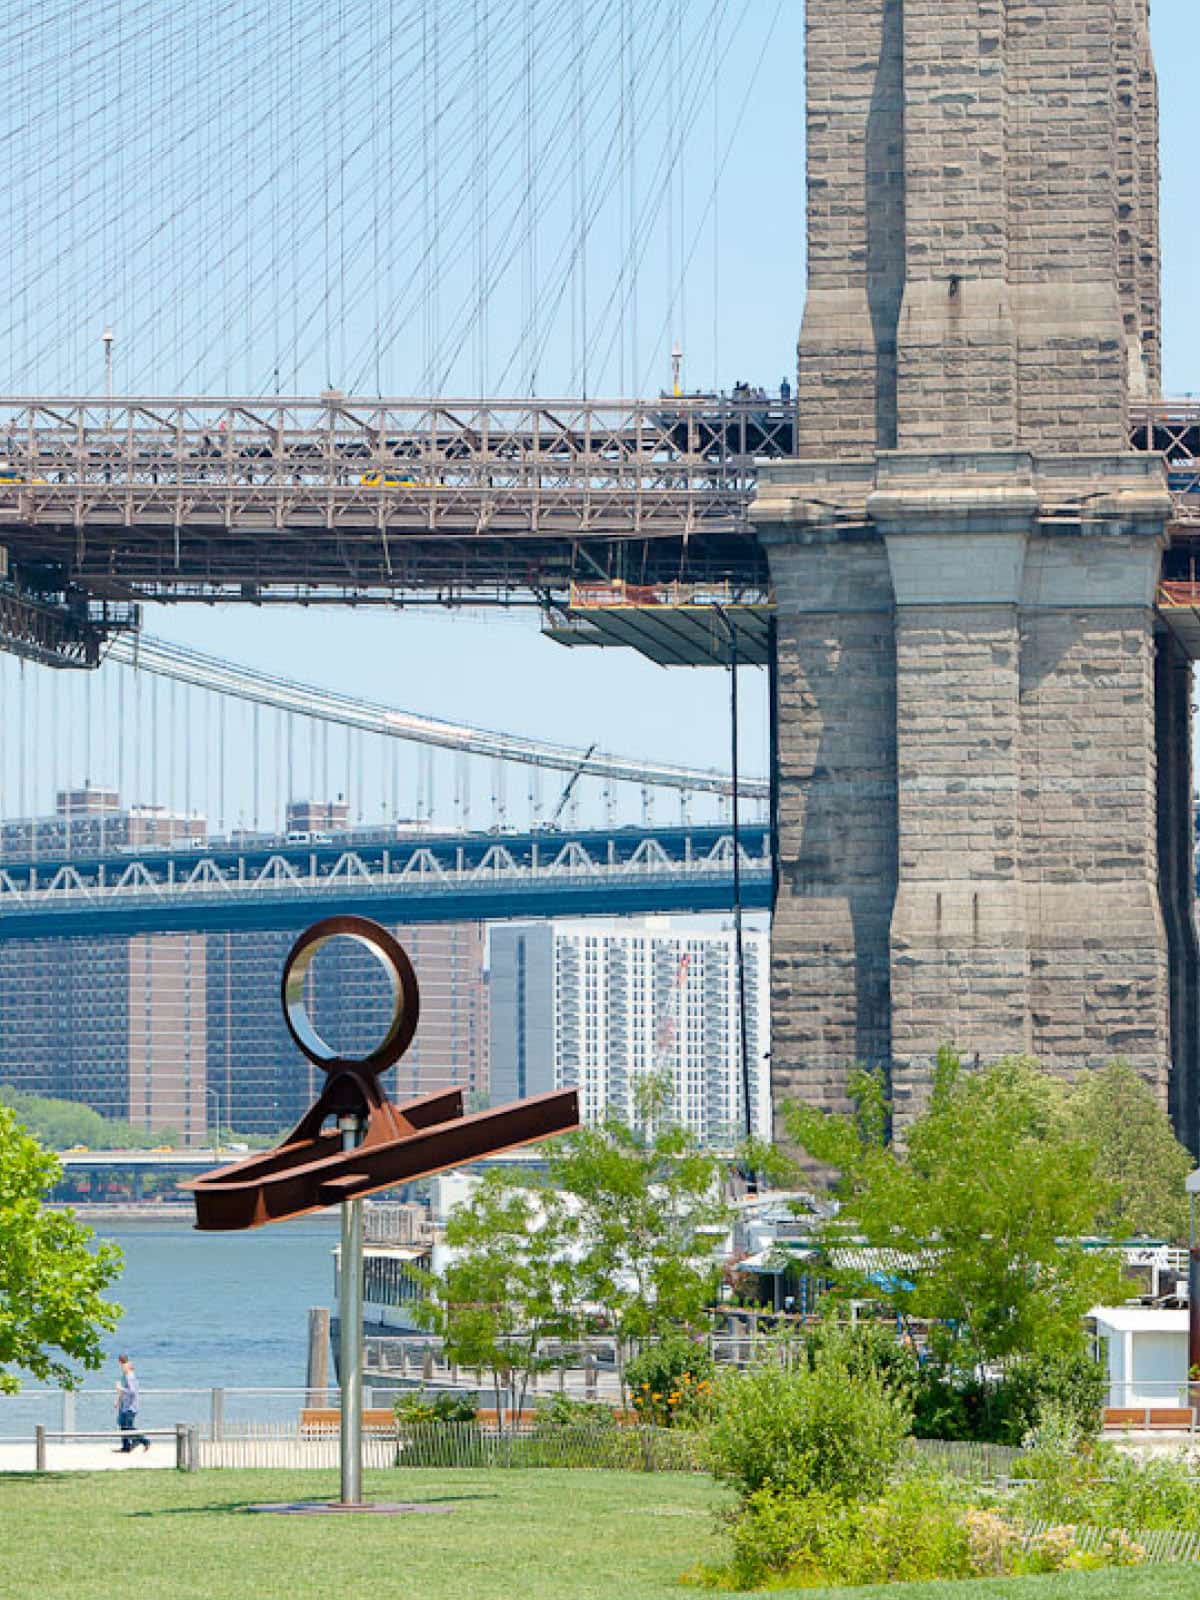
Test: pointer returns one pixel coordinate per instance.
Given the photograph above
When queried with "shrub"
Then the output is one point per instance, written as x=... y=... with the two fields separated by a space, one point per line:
x=1155 y=1493
x=868 y=1347
x=671 y=1383
x=918 y=1529
x=951 y=1405
x=1077 y=1481
x=813 y=1429
x=992 y=1542
x=915 y=1530
x=1062 y=1473
x=1071 y=1384
x=420 y=1407
x=562 y=1412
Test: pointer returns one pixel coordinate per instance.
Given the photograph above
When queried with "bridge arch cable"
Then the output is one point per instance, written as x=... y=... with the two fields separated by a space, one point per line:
x=290 y=697
x=263 y=195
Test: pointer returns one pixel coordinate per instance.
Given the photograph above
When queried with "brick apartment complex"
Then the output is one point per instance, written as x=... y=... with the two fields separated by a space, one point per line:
x=158 y=1029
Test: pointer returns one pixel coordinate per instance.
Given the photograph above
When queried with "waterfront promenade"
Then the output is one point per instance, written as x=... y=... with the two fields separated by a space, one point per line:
x=86 y=1455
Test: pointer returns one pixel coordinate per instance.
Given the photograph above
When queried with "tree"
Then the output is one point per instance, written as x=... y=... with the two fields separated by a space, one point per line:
x=623 y=1231
x=976 y=1218
x=60 y=1124
x=1137 y=1155
x=509 y=1286
x=51 y=1280
x=648 y=1206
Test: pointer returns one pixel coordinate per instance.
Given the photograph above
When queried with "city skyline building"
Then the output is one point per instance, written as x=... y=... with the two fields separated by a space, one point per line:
x=177 y=1031
x=92 y=820
x=603 y=1004
x=174 y=1031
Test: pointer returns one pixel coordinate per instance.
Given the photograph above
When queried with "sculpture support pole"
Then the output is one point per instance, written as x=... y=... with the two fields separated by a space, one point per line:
x=350 y=1312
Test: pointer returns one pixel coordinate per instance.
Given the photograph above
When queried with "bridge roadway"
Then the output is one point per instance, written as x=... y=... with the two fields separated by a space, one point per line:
x=336 y=498
x=341 y=499
x=435 y=878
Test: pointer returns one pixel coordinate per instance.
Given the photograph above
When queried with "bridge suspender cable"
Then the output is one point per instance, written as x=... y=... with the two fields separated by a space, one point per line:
x=739 y=940
x=208 y=672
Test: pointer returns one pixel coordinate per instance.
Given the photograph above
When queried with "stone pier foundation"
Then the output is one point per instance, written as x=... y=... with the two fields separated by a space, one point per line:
x=983 y=772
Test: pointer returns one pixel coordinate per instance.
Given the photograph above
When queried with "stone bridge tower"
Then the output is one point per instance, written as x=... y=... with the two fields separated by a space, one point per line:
x=983 y=764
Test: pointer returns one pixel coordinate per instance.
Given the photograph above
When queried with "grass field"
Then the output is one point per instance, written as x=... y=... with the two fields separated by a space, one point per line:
x=511 y=1536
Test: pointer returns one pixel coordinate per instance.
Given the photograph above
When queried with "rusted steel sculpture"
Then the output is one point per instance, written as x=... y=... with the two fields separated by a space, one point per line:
x=312 y=1169
x=377 y=1145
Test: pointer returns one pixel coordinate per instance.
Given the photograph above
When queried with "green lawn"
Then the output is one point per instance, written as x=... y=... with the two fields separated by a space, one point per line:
x=540 y=1535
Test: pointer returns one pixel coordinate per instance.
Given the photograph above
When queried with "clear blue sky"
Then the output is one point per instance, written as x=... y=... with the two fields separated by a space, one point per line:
x=496 y=670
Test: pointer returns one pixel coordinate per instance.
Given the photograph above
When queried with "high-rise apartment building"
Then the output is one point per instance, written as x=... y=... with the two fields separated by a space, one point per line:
x=600 y=1004
x=172 y=1030
x=263 y=1078
x=117 y=1024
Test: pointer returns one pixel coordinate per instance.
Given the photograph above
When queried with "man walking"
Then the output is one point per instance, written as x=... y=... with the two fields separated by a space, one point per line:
x=128 y=1400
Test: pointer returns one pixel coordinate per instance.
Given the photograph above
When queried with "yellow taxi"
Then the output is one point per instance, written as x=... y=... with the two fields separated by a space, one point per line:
x=387 y=480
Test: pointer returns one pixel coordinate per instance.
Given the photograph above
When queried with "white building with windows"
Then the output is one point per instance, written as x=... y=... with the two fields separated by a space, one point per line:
x=597 y=1004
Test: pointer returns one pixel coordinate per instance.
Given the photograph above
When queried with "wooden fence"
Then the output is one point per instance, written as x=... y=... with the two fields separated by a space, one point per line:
x=582 y=1445
x=464 y=1444
x=964 y=1458
x=1163 y=1546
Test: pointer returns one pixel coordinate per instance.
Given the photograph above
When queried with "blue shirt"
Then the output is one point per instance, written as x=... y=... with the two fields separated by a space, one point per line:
x=127 y=1393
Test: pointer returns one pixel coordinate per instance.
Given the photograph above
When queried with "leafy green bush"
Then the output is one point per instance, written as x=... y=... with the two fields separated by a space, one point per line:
x=868 y=1347
x=420 y=1407
x=562 y=1412
x=950 y=1405
x=671 y=1383
x=817 y=1428
x=1154 y=1493
x=918 y=1529
x=915 y=1530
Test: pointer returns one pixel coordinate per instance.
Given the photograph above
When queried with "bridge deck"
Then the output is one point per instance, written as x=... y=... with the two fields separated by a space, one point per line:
x=444 y=878
x=106 y=503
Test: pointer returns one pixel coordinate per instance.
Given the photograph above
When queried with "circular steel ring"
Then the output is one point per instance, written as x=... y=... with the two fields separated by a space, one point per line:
x=404 y=993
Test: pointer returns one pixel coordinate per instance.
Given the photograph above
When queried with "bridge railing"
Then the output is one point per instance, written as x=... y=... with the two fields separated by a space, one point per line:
x=143 y=460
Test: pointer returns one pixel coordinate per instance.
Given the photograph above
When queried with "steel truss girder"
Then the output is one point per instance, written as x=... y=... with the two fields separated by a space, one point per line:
x=241 y=497
x=49 y=634
x=212 y=494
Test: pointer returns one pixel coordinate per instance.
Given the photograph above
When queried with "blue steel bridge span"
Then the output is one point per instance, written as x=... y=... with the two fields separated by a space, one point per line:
x=424 y=878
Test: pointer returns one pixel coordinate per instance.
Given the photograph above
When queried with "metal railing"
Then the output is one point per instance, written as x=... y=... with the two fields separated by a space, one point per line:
x=211 y=1409
x=629 y=468
x=186 y=1437
x=1151 y=1401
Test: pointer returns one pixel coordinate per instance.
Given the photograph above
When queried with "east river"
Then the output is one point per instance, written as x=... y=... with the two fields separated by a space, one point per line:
x=203 y=1310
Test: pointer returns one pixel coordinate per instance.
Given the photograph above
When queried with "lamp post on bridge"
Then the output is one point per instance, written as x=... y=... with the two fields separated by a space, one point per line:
x=106 y=339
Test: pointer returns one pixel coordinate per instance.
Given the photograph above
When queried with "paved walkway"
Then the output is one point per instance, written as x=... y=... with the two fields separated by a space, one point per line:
x=85 y=1455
